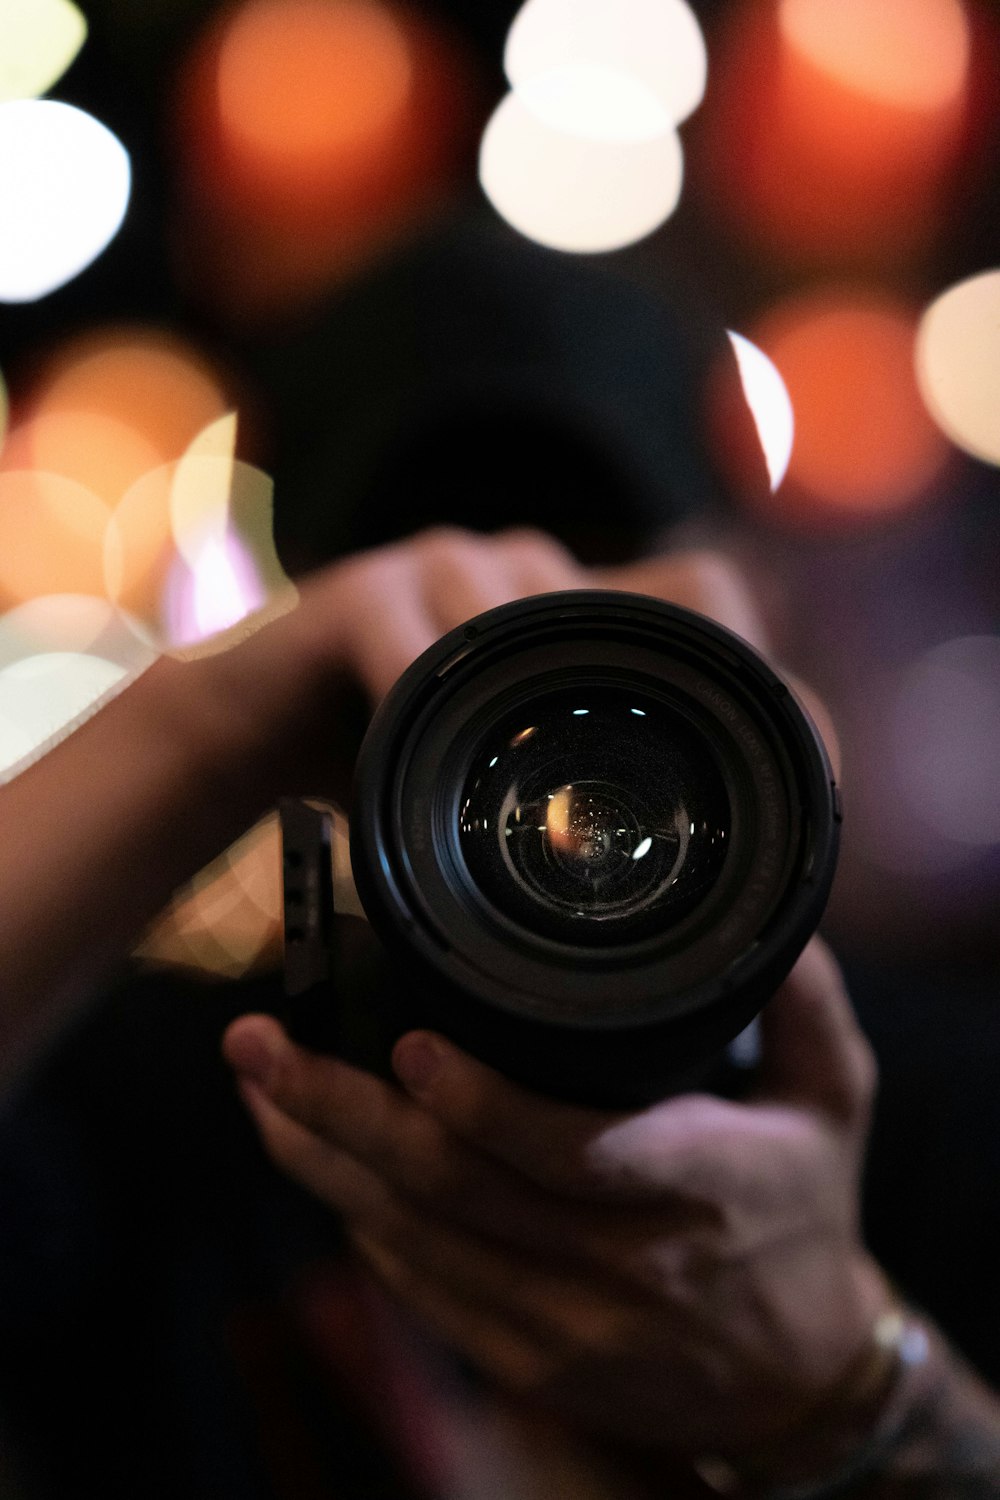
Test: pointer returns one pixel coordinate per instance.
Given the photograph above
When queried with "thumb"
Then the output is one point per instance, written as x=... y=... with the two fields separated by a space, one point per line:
x=813 y=1051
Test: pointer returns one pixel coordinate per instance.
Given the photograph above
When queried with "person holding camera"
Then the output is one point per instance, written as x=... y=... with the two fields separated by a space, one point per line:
x=686 y=1284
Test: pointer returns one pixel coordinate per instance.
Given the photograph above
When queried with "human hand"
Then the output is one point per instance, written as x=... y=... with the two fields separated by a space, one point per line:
x=363 y=620
x=689 y=1277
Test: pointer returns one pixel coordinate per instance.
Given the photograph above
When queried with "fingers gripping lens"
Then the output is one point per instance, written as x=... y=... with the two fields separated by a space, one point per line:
x=593 y=832
x=598 y=823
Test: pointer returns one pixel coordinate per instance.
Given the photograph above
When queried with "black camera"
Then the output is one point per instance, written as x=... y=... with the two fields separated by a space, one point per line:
x=590 y=832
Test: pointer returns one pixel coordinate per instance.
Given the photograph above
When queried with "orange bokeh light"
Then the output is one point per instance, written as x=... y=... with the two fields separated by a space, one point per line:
x=307 y=91
x=836 y=144
x=51 y=537
x=864 y=443
x=111 y=405
x=309 y=129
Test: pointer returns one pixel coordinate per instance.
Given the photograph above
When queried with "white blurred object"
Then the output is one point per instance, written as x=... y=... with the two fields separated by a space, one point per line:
x=656 y=42
x=64 y=188
x=576 y=192
x=41 y=697
x=770 y=405
x=40 y=40
x=958 y=364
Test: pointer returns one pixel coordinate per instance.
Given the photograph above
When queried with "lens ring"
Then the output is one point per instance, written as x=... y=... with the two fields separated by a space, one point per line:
x=411 y=871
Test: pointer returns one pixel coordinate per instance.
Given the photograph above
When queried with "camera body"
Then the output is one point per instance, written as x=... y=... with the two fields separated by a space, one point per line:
x=591 y=832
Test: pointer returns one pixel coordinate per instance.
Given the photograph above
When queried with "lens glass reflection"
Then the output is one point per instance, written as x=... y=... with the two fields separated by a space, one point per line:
x=596 y=816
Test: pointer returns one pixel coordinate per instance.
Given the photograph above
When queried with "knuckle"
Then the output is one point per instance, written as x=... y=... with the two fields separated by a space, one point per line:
x=447 y=543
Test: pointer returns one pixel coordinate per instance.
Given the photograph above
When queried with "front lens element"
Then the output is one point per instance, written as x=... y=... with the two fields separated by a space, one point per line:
x=594 y=817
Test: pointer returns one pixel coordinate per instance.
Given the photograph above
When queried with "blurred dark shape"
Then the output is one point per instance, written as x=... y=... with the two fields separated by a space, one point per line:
x=478 y=380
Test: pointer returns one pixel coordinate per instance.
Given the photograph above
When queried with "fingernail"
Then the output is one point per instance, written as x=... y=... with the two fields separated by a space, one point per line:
x=418 y=1061
x=252 y=1055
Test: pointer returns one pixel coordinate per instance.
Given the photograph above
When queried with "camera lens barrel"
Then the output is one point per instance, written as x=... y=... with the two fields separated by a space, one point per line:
x=594 y=831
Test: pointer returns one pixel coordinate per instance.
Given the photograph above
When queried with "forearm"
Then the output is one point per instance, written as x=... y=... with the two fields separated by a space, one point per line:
x=933 y=1434
x=101 y=830
x=948 y=1446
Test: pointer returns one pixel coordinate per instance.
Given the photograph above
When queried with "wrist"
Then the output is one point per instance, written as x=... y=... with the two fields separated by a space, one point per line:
x=842 y=1440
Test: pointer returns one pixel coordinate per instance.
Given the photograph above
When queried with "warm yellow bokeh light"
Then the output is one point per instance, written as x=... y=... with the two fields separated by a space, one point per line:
x=228 y=920
x=770 y=405
x=912 y=53
x=573 y=193
x=38 y=41
x=75 y=623
x=958 y=364
x=201 y=487
x=656 y=42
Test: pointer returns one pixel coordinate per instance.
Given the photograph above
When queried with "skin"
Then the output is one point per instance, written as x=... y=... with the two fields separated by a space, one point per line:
x=687 y=1277
x=688 y=1273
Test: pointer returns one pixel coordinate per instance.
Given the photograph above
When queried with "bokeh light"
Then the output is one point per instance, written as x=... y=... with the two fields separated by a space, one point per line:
x=576 y=192
x=59 y=654
x=71 y=623
x=51 y=536
x=770 y=405
x=911 y=53
x=656 y=42
x=42 y=695
x=958 y=364
x=932 y=802
x=64 y=185
x=314 y=127
x=112 y=404
x=308 y=91
x=218 y=590
x=864 y=444
x=40 y=40
x=836 y=129
x=228 y=920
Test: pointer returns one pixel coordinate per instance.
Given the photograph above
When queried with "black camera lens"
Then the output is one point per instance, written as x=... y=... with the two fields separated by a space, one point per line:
x=593 y=820
x=593 y=831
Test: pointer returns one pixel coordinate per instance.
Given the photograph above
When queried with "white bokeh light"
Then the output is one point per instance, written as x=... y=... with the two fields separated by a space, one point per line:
x=573 y=192
x=656 y=42
x=40 y=40
x=64 y=188
x=41 y=696
x=595 y=103
x=770 y=405
x=958 y=364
